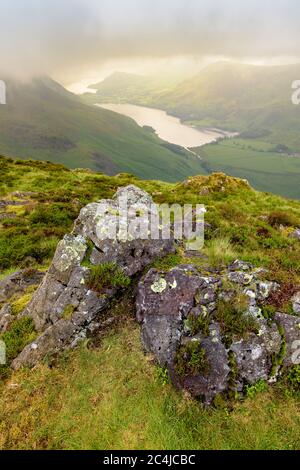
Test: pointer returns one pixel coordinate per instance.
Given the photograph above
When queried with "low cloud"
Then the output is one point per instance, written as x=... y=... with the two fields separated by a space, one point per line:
x=65 y=38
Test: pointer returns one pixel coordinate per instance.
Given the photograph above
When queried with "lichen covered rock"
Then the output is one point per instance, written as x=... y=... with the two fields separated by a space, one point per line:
x=209 y=331
x=65 y=304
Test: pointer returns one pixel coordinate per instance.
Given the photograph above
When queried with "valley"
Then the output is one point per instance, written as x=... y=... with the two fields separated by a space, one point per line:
x=253 y=101
x=43 y=121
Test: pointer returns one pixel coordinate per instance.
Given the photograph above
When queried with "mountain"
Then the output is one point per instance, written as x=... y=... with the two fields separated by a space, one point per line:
x=121 y=87
x=254 y=100
x=44 y=121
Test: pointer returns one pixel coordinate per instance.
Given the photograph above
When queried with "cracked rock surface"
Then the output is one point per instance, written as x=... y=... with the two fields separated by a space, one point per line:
x=64 y=287
x=184 y=325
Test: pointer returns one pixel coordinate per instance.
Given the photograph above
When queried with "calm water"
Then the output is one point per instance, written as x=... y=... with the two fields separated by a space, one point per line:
x=167 y=127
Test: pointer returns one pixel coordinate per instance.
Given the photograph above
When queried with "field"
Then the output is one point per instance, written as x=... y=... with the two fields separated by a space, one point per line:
x=254 y=160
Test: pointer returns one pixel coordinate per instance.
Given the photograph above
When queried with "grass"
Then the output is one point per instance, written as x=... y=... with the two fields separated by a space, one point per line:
x=233 y=321
x=19 y=334
x=107 y=275
x=220 y=250
x=114 y=389
x=238 y=215
x=18 y=304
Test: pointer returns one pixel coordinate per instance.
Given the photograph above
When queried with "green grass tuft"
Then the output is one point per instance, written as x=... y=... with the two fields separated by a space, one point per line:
x=107 y=275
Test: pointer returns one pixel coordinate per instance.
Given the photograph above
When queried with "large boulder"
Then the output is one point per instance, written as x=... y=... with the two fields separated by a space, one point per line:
x=65 y=305
x=209 y=332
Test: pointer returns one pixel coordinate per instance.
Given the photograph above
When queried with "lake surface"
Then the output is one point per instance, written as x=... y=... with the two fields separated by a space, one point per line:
x=168 y=127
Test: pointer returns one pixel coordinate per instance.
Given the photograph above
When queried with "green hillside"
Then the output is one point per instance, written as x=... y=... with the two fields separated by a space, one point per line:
x=97 y=396
x=254 y=100
x=121 y=87
x=43 y=121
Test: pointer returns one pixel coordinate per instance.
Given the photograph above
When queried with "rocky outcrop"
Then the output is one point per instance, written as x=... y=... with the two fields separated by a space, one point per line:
x=210 y=331
x=65 y=306
x=211 y=328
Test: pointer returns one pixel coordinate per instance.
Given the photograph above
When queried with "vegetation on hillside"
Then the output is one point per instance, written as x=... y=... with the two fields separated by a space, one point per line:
x=114 y=387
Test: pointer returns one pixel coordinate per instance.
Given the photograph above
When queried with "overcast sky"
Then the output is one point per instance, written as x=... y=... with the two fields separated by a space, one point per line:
x=68 y=38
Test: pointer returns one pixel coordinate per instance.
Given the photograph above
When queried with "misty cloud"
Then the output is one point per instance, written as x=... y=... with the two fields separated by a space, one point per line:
x=66 y=37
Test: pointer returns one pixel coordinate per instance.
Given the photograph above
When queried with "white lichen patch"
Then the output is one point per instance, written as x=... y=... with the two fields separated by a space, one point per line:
x=256 y=353
x=159 y=286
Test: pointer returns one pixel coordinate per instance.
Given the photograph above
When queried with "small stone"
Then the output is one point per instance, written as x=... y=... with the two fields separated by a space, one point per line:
x=239 y=265
x=240 y=277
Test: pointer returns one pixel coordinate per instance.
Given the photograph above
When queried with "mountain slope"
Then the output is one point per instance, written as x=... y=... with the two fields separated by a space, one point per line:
x=252 y=99
x=42 y=120
x=121 y=87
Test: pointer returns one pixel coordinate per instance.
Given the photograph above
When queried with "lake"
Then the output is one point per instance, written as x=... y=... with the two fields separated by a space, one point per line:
x=168 y=127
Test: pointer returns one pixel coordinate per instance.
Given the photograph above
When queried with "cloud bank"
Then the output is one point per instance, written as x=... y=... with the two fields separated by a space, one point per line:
x=66 y=37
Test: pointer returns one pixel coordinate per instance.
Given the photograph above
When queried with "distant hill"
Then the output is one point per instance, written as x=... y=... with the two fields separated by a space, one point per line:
x=121 y=87
x=44 y=121
x=255 y=100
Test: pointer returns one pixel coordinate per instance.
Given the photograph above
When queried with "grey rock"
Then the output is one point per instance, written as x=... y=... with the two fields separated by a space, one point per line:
x=296 y=303
x=239 y=265
x=254 y=354
x=206 y=386
x=167 y=303
x=265 y=288
x=63 y=308
x=240 y=277
x=18 y=282
x=291 y=327
x=102 y=223
x=53 y=340
x=6 y=317
x=162 y=301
